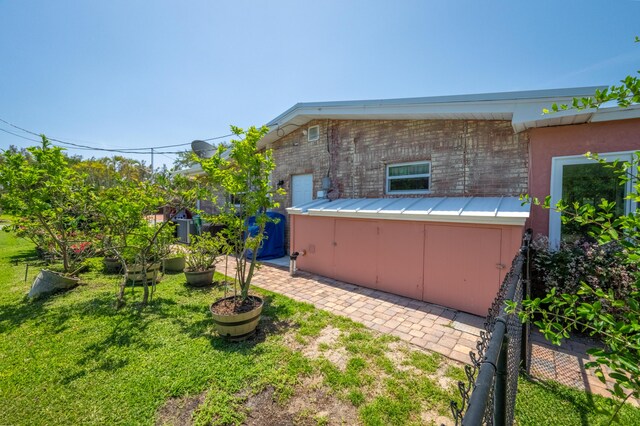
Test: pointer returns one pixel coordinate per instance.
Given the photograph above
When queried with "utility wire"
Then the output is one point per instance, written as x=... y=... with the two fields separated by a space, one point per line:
x=20 y=136
x=92 y=149
x=121 y=150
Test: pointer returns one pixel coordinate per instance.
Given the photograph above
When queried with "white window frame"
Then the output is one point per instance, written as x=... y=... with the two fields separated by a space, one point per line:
x=388 y=178
x=557 y=165
x=317 y=126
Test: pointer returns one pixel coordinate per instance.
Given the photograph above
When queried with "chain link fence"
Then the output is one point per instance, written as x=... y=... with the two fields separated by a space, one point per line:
x=489 y=394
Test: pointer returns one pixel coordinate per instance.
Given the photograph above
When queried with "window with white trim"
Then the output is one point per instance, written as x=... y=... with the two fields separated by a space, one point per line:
x=585 y=181
x=409 y=178
x=313 y=133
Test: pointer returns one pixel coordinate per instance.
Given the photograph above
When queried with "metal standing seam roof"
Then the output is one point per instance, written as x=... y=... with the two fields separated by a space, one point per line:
x=485 y=210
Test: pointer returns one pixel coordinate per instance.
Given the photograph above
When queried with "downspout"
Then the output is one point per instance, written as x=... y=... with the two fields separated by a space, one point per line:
x=464 y=159
x=354 y=193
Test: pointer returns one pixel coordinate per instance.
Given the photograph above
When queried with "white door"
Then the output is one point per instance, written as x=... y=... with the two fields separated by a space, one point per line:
x=301 y=189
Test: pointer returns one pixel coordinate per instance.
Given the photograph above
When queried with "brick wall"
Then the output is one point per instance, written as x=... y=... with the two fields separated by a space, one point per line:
x=468 y=157
x=481 y=158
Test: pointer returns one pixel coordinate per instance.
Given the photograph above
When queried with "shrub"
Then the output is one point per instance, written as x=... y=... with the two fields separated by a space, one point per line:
x=581 y=261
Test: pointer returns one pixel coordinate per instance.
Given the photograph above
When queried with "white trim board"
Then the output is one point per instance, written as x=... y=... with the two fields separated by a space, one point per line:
x=555 y=187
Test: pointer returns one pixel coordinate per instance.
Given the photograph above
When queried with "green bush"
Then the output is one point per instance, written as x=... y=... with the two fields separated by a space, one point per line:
x=577 y=262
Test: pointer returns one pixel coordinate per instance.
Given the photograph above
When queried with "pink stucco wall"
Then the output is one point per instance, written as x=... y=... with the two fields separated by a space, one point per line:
x=456 y=265
x=546 y=143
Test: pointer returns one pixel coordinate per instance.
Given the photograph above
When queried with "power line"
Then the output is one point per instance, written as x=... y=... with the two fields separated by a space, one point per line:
x=145 y=150
x=92 y=149
x=20 y=136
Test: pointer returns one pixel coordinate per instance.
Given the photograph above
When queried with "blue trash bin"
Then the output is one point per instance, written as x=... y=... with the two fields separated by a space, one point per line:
x=272 y=246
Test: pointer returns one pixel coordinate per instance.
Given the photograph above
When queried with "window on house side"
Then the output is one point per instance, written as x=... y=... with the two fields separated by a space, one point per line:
x=313 y=133
x=579 y=179
x=409 y=178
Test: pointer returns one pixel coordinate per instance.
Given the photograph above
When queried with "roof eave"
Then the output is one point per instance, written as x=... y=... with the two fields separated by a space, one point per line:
x=523 y=108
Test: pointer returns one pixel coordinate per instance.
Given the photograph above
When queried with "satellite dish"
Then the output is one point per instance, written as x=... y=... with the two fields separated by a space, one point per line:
x=203 y=149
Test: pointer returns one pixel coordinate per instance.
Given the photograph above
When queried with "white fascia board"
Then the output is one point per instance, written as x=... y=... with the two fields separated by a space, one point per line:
x=523 y=120
x=550 y=95
x=617 y=113
x=482 y=220
x=524 y=109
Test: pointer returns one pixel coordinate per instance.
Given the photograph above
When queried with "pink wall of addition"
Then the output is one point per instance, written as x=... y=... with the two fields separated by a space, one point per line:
x=455 y=265
x=549 y=142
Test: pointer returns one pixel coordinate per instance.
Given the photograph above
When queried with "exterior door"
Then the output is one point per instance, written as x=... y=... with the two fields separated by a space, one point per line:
x=462 y=267
x=315 y=236
x=400 y=257
x=301 y=189
x=355 y=253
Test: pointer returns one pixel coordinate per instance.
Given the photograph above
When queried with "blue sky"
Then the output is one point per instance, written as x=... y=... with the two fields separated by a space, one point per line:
x=149 y=73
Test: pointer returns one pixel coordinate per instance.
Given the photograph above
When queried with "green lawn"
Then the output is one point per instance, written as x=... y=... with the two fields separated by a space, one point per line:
x=550 y=403
x=74 y=359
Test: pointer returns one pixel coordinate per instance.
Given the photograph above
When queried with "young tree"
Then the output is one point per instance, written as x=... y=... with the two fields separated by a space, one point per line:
x=603 y=314
x=52 y=205
x=241 y=173
x=618 y=326
x=127 y=233
x=184 y=160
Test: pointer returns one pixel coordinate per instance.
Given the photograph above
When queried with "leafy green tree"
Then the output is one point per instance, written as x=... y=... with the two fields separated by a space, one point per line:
x=52 y=205
x=128 y=235
x=601 y=313
x=184 y=160
x=107 y=171
x=241 y=173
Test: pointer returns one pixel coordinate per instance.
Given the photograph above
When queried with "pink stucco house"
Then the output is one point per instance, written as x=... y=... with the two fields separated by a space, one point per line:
x=420 y=196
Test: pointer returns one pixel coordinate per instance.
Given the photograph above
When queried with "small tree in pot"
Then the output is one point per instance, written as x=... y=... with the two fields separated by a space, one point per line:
x=175 y=258
x=241 y=172
x=202 y=256
x=53 y=207
x=139 y=245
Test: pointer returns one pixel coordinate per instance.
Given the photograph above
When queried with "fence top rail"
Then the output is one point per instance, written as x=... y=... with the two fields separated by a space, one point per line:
x=484 y=382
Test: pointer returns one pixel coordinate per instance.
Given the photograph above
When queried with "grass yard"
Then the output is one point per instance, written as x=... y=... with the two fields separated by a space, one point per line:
x=74 y=359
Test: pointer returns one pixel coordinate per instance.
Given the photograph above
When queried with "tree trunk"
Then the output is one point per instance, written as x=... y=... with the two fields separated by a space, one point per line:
x=245 y=285
x=145 y=286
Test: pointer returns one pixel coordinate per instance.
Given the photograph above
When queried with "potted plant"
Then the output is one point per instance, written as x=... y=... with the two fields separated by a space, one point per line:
x=139 y=245
x=175 y=260
x=53 y=208
x=202 y=256
x=112 y=265
x=241 y=173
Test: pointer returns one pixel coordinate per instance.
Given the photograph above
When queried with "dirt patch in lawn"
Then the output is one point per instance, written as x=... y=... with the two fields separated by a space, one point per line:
x=432 y=417
x=324 y=345
x=310 y=404
x=179 y=411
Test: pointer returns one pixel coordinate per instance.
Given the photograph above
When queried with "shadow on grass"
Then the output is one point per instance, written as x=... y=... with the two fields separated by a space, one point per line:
x=13 y=315
x=129 y=326
x=27 y=255
x=581 y=401
x=274 y=321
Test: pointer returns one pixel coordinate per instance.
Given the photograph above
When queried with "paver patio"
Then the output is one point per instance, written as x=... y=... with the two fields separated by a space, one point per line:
x=448 y=332
x=433 y=327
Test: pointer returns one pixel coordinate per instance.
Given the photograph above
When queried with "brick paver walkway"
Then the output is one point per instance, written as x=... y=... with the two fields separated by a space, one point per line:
x=432 y=327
